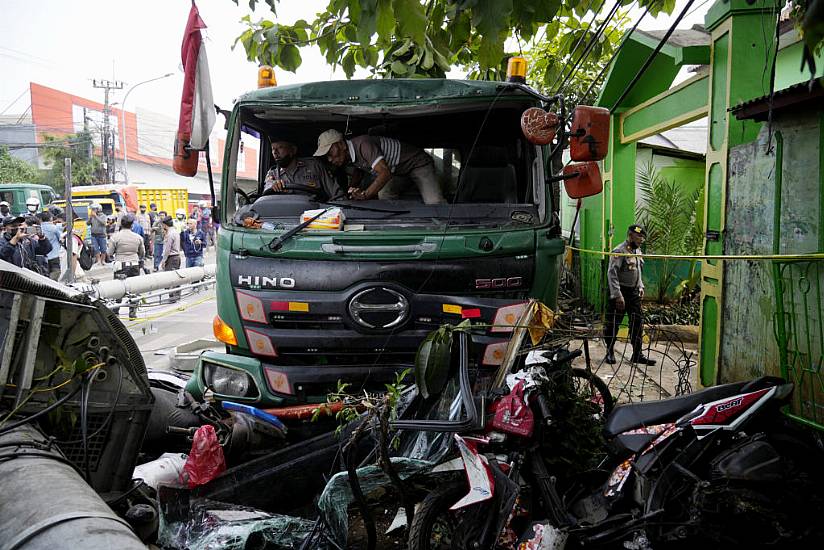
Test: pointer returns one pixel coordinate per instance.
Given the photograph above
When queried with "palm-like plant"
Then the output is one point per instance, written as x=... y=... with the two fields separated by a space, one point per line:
x=671 y=216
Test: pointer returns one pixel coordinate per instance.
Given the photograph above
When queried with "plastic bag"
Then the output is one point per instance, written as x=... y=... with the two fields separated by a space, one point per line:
x=512 y=414
x=166 y=470
x=206 y=460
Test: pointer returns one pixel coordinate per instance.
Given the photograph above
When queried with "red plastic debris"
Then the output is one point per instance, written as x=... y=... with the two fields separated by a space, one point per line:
x=206 y=460
x=512 y=414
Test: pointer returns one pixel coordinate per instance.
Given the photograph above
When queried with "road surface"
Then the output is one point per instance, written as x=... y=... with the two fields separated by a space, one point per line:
x=163 y=326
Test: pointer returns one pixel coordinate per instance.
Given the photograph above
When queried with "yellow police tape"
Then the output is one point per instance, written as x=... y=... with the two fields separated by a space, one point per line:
x=792 y=257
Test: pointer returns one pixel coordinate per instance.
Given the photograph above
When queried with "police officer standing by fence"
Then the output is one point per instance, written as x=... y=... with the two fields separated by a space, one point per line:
x=626 y=289
x=128 y=250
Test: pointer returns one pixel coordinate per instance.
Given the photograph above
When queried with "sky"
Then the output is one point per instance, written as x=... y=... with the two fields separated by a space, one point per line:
x=66 y=44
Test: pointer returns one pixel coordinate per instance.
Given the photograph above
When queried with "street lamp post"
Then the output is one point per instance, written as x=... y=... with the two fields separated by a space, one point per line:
x=123 y=122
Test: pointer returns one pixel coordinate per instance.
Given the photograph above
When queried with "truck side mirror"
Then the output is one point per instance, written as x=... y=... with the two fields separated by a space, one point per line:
x=582 y=180
x=539 y=126
x=185 y=159
x=589 y=134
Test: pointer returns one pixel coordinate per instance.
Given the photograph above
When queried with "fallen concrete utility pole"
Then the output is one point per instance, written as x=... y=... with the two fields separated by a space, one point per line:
x=47 y=505
x=118 y=288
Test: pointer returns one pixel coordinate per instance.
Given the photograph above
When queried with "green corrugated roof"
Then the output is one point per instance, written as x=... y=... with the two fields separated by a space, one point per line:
x=383 y=91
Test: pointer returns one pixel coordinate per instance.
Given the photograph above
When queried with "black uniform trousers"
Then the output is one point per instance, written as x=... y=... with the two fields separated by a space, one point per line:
x=632 y=301
x=125 y=273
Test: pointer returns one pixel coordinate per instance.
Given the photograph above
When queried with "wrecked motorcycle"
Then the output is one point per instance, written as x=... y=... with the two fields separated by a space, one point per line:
x=716 y=466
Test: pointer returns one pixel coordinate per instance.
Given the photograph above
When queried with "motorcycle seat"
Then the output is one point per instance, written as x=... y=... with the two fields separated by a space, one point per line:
x=648 y=413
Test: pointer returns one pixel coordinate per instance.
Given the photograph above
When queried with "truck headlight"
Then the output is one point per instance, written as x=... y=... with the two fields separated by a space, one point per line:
x=228 y=381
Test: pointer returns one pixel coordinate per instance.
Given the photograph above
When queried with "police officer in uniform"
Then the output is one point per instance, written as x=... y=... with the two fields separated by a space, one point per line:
x=626 y=289
x=128 y=250
x=291 y=174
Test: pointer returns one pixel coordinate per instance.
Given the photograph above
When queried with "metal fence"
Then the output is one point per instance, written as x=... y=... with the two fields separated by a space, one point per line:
x=799 y=332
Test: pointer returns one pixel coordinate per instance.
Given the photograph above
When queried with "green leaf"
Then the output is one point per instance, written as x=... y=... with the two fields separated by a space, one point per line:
x=348 y=64
x=290 y=58
x=399 y=68
x=428 y=60
x=385 y=20
x=366 y=26
x=402 y=49
x=490 y=53
x=411 y=19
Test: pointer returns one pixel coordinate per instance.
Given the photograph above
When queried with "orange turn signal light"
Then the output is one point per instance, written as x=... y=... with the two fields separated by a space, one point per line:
x=223 y=332
x=266 y=77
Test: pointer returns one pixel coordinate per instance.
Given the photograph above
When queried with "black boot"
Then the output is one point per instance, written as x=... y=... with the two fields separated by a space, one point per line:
x=641 y=359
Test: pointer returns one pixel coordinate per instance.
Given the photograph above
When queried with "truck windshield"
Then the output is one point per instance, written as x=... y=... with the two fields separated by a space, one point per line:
x=467 y=167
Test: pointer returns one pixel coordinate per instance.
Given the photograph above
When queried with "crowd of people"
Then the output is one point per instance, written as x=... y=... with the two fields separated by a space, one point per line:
x=133 y=243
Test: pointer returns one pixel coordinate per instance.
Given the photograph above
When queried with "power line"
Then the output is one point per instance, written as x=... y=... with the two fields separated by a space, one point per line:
x=652 y=56
x=613 y=56
x=590 y=45
x=581 y=38
x=15 y=100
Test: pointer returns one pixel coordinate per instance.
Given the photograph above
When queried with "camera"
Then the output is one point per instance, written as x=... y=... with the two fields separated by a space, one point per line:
x=32 y=230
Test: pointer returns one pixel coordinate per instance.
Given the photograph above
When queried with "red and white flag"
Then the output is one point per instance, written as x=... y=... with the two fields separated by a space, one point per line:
x=197 y=111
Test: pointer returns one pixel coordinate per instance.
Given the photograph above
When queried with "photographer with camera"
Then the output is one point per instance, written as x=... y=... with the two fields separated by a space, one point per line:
x=21 y=244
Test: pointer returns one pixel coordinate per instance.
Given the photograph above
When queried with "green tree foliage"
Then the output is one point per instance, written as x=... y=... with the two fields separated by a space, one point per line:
x=78 y=147
x=426 y=38
x=13 y=169
x=673 y=219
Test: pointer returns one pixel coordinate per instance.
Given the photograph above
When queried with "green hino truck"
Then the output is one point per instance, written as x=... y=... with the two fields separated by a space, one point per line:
x=301 y=310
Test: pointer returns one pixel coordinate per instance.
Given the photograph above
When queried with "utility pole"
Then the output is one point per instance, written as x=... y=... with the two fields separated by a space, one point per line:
x=106 y=134
x=67 y=181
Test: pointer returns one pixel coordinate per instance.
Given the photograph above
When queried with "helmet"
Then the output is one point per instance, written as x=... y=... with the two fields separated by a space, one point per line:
x=202 y=204
x=4 y=203
x=95 y=206
x=32 y=203
x=180 y=212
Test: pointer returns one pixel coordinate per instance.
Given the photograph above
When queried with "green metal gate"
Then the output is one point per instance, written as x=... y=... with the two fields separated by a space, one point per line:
x=799 y=330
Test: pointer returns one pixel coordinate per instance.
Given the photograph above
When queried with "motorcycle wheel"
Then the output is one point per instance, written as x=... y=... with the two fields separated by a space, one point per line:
x=436 y=527
x=776 y=514
x=593 y=389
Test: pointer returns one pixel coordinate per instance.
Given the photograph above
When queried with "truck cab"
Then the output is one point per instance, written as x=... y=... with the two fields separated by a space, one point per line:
x=298 y=314
x=16 y=195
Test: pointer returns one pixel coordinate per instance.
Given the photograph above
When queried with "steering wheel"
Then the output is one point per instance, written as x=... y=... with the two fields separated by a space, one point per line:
x=248 y=198
x=289 y=189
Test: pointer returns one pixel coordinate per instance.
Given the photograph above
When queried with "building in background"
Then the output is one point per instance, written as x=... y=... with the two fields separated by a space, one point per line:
x=149 y=139
x=17 y=133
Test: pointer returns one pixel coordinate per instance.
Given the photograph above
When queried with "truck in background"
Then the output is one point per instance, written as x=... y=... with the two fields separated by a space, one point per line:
x=81 y=213
x=131 y=196
x=16 y=195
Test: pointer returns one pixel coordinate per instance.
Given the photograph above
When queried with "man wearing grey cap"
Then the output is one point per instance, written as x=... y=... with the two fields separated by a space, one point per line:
x=388 y=160
x=626 y=289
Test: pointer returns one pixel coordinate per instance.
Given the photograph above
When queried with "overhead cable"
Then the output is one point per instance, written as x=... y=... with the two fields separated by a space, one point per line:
x=591 y=44
x=652 y=56
x=581 y=38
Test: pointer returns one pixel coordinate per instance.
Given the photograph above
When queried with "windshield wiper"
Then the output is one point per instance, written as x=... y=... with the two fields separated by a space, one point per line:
x=365 y=208
x=276 y=243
